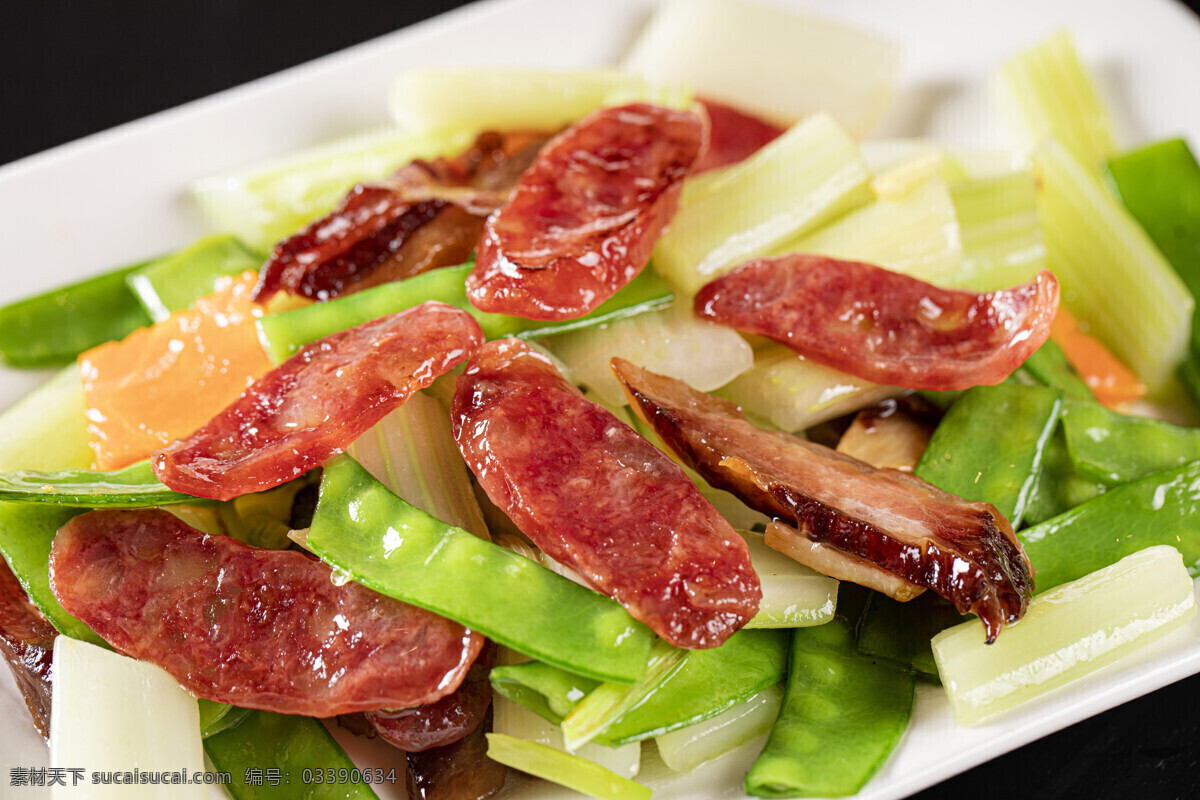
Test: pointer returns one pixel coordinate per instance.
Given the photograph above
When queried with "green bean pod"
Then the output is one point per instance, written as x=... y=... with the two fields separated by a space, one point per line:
x=132 y=487
x=1117 y=448
x=384 y=543
x=177 y=281
x=843 y=713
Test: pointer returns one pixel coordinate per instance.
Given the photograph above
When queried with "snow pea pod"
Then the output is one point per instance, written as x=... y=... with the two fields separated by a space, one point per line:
x=384 y=543
x=990 y=445
x=26 y=533
x=276 y=756
x=283 y=334
x=1117 y=448
x=1049 y=366
x=1162 y=508
x=52 y=328
x=900 y=632
x=132 y=487
x=175 y=282
x=843 y=713
x=546 y=690
x=1059 y=487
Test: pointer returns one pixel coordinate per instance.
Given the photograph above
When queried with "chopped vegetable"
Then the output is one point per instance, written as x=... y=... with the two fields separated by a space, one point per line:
x=173 y=283
x=47 y=429
x=513 y=719
x=1049 y=366
x=1117 y=448
x=113 y=714
x=687 y=748
x=1160 y=508
x=1070 y=631
x=163 y=382
x=297 y=746
x=1111 y=272
x=382 y=542
x=1059 y=488
x=842 y=715
x=53 y=328
x=270 y=201
x=707 y=45
x=990 y=445
x=1110 y=381
x=900 y=632
x=1000 y=231
x=564 y=769
x=811 y=174
x=132 y=487
x=794 y=596
x=548 y=691
x=284 y=334
x=1052 y=95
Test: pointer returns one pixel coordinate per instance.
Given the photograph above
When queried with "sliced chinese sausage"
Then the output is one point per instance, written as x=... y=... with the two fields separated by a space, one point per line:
x=964 y=551
x=312 y=406
x=883 y=326
x=27 y=644
x=429 y=214
x=733 y=135
x=256 y=628
x=597 y=497
x=584 y=218
x=445 y=721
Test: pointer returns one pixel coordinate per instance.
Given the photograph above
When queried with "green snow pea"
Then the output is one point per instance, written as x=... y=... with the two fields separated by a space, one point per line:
x=276 y=757
x=990 y=445
x=1116 y=448
x=26 y=533
x=900 y=632
x=1059 y=487
x=547 y=691
x=52 y=328
x=132 y=487
x=175 y=282
x=284 y=334
x=217 y=717
x=384 y=543
x=1049 y=366
x=1162 y=508
x=843 y=713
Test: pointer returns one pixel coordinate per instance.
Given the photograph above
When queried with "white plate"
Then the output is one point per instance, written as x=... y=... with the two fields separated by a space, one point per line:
x=119 y=196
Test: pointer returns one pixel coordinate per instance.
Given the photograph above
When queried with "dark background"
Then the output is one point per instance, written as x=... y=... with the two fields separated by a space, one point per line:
x=70 y=69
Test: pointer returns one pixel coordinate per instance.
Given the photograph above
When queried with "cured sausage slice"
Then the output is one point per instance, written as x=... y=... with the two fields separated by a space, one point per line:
x=458 y=771
x=733 y=135
x=584 y=218
x=964 y=551
x=883 y=326
x=599 y=498
x=27 y=644
x=444 y=722
x=310 y=407
x=256 y=628
x=429 y=214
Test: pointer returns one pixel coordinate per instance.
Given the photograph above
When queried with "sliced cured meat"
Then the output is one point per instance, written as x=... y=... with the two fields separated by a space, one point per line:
x=597 y=497
x=459 y=771
x=312 y=406
x=883 y=326
x=429 y=214
x=584 y=218
x=733 y=135
x=964 y=551
x=256 y=628
x=27 y=644
x=445 y=721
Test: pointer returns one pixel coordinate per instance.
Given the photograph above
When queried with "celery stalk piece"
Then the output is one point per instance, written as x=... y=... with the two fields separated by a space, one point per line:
x=175 y=282
x=787 y=391
x=1112 y=275
x=752 y=56
x=425 y=100
x=794 y=596
x=687 y=748
x=1000 y=229
x=268 y=202
x=915 y=233
x=111 y=713
x=515 y=720
x=48 y=428
x=609 y=701
x=412 y=452
x=1051 y=95
x=1068 y=632
x=564 y=769
x=808 y=176
x=672 y=342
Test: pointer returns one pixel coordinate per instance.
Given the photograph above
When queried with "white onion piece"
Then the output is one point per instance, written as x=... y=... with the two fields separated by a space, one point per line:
x=110 y=713
x=794 y=596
